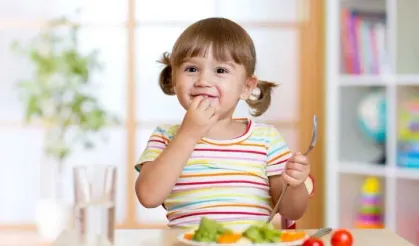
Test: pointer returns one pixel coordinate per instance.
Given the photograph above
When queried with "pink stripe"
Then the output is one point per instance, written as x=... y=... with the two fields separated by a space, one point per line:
x=194 y=187
x=221 y=182
x=275 y=170
x=197 y=220
x=158 y=147
x=219 y=213
x=225 y=158
x=281 y=162
x=278 y=163
x=232 y=150
x=156 y=141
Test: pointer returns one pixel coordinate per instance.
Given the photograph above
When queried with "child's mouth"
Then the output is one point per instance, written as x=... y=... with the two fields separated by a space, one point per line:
x=204 y=95
x=213 y=99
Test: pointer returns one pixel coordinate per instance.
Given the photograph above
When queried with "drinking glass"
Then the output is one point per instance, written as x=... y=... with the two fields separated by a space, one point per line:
x=94 y=208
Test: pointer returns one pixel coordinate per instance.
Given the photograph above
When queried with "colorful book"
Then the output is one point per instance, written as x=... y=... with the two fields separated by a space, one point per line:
x=363 y=43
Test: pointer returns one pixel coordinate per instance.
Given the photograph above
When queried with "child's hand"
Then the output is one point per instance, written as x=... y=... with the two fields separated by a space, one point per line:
x=297 y=170
x=199 y=118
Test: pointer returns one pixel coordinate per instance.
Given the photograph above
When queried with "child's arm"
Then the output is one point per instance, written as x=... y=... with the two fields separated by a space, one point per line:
x=284 y=168
x=157 y=178
x=295 y=200
x=160 y=173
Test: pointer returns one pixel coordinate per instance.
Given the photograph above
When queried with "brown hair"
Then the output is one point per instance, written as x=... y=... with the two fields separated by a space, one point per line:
x=228 y=41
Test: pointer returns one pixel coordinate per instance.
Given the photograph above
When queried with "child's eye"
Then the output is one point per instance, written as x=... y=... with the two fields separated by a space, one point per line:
x=191 y=69
x=221 y=70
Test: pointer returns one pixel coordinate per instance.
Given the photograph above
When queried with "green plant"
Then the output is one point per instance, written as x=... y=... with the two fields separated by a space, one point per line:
x=59 y=94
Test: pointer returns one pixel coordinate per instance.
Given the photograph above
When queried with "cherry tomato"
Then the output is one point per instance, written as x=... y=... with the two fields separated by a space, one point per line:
x=341 y=237
x=313 y=242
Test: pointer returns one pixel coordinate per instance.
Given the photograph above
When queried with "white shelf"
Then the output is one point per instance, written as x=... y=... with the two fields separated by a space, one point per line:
x=408 y=173
x=349 y=155
x=367 y=169
x=365 y=80
x=407 y=79
x=378 y=170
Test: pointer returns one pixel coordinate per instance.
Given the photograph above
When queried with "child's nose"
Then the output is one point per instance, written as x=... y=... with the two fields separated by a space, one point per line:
x=203 y=81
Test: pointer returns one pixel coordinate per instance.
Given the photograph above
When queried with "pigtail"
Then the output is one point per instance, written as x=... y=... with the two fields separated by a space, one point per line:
x=165 y=78
x=260 y=102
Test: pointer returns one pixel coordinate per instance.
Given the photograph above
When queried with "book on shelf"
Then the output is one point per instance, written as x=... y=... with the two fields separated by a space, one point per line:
x=363 y=42
x=408 y=133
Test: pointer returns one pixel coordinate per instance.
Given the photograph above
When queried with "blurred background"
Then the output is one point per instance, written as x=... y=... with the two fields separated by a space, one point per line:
x=79 y=85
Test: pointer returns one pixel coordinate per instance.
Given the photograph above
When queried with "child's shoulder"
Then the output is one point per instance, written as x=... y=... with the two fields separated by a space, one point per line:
x=268 y=134
x=167 y=130
x=265 y=130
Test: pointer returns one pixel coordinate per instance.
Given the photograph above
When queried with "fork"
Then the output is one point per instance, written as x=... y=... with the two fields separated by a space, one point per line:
x=309 y=149
x=321 y=232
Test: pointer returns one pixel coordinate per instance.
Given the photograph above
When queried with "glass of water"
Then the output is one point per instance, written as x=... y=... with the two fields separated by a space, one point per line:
x=94 y=194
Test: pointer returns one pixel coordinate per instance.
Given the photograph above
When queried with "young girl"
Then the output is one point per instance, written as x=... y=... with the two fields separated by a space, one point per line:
x=230 y=170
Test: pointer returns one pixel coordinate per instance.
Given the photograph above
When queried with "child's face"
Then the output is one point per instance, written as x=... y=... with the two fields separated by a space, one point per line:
x=223 y=82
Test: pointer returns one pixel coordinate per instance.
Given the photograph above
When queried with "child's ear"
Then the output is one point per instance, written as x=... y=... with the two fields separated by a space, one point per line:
x=251 y=84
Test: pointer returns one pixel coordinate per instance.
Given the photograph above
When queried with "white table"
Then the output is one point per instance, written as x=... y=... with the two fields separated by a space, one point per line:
x=163 y=237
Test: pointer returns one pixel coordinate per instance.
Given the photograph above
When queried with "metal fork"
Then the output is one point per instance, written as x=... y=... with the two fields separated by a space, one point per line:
x=321 y=232
x=310 y=147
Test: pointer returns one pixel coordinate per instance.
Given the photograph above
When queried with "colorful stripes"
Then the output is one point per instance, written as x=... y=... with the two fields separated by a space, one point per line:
x=226 y=180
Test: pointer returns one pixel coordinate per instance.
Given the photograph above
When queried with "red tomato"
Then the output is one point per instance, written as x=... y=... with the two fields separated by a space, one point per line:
x=341 y=237
x=313 y=242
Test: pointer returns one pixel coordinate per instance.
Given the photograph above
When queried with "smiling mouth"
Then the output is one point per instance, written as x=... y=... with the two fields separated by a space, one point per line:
x=205 y=95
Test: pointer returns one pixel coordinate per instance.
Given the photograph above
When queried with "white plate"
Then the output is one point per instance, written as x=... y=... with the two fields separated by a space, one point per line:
x=182 y=239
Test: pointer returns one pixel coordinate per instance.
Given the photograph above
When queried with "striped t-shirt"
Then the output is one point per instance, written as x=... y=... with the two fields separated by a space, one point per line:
x=225 y=180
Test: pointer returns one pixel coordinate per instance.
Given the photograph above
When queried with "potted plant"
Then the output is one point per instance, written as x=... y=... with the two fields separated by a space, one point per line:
x=59 y=96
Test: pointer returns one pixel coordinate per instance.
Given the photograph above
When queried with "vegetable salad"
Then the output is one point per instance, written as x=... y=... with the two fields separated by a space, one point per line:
x=210 y=231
